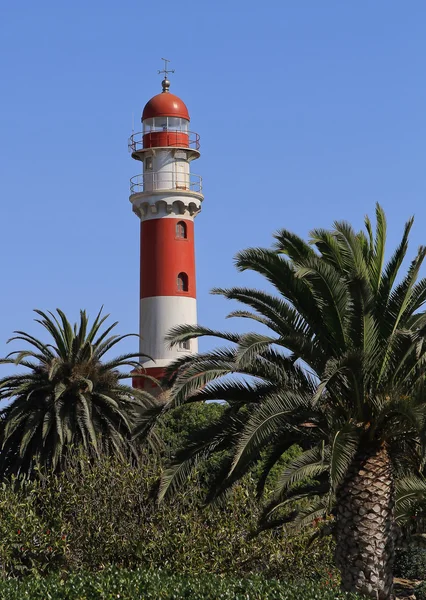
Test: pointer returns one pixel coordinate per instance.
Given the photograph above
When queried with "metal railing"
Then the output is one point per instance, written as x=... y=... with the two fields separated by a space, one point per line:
x=174 y=140
x=164 y=181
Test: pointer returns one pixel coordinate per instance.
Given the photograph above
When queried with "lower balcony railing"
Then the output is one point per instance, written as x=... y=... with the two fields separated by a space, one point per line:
x=165 y=180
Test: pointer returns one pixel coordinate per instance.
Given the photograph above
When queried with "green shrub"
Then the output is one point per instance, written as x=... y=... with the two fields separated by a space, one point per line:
x=107 y=513
x=410 y=562
x=176 y=426
x=420 y=591
x=28 y=544
x=94 y=515
x=157 y=585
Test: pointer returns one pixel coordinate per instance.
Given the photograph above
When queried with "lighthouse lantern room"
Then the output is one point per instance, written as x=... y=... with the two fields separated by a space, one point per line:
x=166 y=197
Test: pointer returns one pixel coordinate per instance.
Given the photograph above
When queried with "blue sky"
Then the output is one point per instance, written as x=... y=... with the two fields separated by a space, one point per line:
x=307 y=111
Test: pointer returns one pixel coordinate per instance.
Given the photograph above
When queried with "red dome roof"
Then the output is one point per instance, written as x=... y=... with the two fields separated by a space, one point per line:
x=165 y=105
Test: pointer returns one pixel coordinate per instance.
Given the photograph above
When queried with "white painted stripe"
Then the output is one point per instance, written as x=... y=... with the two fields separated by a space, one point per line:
x=158 y=314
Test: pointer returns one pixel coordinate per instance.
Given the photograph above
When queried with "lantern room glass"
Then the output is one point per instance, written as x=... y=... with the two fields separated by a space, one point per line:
x=165 y=124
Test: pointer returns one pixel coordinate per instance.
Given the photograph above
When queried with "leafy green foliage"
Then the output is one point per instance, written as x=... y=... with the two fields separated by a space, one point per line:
x=68 y=396
x=28 y=543
x=158 y=585
x=410 y=562
x=176 y=427
x=106 y=512
x=420 y=591
x=411 y=505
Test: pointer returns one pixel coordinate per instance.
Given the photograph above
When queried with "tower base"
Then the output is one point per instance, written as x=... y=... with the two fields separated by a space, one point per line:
x=142 y=383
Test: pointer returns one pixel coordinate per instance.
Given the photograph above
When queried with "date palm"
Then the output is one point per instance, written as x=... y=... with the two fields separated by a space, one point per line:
x=338 y=369
x=69 y=396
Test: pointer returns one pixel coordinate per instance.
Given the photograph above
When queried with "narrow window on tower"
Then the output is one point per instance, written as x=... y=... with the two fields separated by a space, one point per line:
x=184 y=345
x=182 y=282
x=181 y=231
x=148 y=163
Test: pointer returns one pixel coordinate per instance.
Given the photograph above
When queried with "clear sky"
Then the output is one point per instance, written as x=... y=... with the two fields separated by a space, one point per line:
x=308 y=111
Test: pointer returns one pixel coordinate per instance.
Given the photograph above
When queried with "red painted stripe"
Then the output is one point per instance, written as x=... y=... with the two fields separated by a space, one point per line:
x=163 y=257
x=141 y=383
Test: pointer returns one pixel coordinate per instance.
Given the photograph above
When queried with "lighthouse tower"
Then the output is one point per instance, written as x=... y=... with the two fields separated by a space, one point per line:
x=166 y=197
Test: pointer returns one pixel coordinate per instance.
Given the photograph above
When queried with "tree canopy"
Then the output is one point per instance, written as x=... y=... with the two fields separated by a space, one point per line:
x=70 y=395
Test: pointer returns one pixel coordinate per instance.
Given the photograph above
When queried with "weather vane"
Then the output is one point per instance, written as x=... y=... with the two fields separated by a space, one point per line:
x=166 y=71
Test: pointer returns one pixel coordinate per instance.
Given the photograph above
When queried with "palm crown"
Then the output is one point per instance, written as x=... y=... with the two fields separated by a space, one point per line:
x=68 y=397
x=340 y=371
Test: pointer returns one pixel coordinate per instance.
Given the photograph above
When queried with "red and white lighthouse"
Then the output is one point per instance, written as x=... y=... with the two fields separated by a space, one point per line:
x=166 y=197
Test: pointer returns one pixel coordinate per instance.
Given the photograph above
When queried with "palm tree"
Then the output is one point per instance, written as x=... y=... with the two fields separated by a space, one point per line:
x=339 y=369
x=69 y=396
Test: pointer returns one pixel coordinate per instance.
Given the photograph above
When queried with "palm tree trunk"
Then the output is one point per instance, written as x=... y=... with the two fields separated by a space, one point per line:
x=364 y=525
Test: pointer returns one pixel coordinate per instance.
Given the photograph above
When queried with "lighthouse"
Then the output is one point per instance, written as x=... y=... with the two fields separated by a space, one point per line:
x=166 y=196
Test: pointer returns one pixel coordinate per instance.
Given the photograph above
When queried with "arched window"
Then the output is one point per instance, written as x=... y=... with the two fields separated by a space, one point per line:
x=182 y=282
x=181 y=230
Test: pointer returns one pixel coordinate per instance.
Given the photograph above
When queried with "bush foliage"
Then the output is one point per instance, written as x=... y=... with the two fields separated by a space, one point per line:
x=157 y=585
x=103 y=514
x=95 y=531
x=410 y=562
x=29 y=544
x=420 y=591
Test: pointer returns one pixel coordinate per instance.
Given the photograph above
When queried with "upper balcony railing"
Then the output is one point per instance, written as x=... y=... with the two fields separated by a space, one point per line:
x=174 y=139
x=163 y=181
